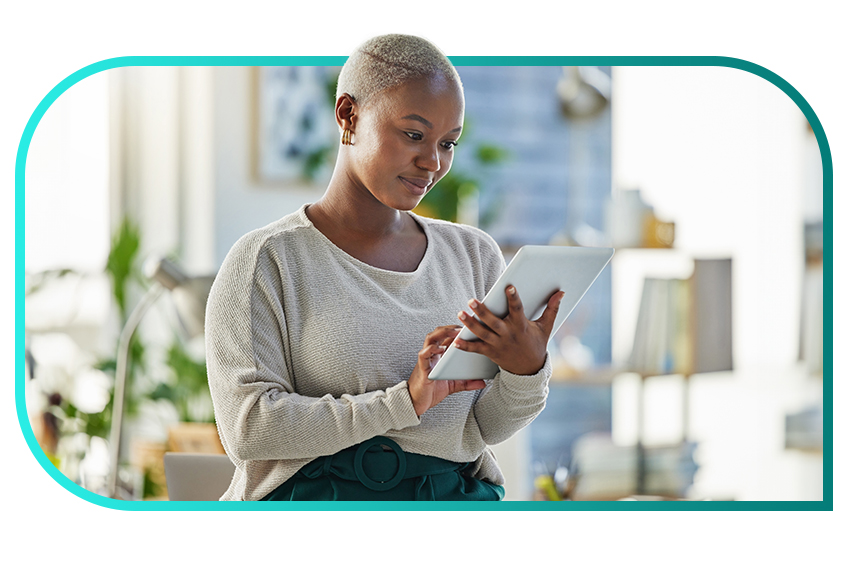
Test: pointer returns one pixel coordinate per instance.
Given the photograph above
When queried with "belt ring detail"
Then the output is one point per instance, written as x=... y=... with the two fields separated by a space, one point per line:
x=360 y=472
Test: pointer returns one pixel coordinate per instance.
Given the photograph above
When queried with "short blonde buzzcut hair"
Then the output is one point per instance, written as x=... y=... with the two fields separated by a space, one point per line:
x=386 y=61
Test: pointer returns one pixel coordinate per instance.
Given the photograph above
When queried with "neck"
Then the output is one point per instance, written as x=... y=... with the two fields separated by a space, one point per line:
x=350 y=207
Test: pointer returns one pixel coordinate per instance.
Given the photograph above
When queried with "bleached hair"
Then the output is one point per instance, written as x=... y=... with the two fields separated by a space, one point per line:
x=389 y=60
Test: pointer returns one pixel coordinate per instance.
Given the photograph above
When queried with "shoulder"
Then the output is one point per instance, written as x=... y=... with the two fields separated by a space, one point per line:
x=260 y=249
x=466 y=249
x=462 y=237
x=262 y=241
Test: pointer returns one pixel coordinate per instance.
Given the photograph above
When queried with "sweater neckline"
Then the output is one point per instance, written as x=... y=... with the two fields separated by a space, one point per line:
x=358 y=262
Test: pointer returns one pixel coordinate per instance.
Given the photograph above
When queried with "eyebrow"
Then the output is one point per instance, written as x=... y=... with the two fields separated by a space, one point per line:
x=426 y=122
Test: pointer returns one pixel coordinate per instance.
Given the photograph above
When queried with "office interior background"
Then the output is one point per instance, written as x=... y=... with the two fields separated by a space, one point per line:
x=685 y=171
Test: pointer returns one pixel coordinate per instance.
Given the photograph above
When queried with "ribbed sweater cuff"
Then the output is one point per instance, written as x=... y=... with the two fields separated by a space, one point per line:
x=400 y=405
x=527 y=385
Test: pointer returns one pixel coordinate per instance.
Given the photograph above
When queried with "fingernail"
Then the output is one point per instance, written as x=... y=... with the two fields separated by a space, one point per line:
x=510 y=290
x=473 y=303
x=462 y=315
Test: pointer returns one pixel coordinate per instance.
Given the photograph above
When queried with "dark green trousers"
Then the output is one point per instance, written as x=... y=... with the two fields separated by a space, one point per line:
x=368 y=472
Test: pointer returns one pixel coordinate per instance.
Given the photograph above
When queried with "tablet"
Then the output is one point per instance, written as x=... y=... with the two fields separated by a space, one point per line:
x=537 y=272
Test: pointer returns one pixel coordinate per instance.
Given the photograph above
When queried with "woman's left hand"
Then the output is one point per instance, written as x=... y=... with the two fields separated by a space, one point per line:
x=516 y=344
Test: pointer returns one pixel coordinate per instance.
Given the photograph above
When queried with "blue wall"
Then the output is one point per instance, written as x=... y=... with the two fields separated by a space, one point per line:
x=516 y=108
x=546 y=174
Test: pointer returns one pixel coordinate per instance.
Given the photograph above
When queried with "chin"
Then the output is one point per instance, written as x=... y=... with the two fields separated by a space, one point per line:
x=407 y=208
x=404 y=205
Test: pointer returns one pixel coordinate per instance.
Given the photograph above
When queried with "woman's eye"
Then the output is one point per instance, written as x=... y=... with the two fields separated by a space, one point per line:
x=450 y=144
x=415 y=136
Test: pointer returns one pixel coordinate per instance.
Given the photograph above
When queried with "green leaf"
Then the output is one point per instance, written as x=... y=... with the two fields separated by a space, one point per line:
x=330 y=87
x=39 y=280
x=313 y=161
x=189 y=381
x=120 y=265
x=491 y=154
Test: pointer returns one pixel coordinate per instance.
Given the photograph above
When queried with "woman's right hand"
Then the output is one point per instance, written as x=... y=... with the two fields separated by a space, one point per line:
x=426 y=393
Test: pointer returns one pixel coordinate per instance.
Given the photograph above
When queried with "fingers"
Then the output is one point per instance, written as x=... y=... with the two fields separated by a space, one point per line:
x=486 y=316
x=513 y=300
x=426 y=353
x=488 y=327
x=494 y=322
x=549 y=315
x=449 y=340
x=442 y=335
x=479 y=329
x=474 y=346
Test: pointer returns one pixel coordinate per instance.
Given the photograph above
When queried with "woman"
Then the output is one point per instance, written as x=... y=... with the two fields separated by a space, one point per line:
x=315 y=323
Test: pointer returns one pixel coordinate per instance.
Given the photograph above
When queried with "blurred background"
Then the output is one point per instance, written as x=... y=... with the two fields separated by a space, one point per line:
x=692 y=369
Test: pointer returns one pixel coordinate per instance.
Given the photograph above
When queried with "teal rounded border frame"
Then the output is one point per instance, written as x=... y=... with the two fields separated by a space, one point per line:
x=650 y=61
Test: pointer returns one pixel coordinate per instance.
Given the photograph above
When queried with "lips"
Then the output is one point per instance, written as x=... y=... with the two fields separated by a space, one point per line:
x=416 y=185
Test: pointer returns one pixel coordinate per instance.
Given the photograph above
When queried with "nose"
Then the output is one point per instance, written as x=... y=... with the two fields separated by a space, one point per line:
x=428 y=159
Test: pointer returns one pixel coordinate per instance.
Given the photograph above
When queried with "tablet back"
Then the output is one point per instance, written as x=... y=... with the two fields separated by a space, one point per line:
x=537 y=272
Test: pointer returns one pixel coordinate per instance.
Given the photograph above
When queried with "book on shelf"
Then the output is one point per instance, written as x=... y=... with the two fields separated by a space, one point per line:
x=812 y=320
x=684 y=326
x=711 y=316
x=804 y=429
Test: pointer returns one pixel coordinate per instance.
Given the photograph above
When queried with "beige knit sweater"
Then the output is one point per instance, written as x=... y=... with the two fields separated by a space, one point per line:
x=309 y=351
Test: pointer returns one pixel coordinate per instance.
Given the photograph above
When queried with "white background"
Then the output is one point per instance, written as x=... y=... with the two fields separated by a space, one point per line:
x=43 y=42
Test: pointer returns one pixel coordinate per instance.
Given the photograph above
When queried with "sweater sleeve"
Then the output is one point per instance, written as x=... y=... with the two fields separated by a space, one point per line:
x=509 y=402
x=258 y=412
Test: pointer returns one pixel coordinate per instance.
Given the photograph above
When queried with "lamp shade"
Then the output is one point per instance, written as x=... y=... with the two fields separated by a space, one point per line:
x=189 y=294
x=583 y=92
x=190 y=302
x=685 y=326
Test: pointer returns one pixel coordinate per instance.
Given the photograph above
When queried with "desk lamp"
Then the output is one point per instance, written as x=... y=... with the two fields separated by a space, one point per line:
x=189 y=295
x=583 y=92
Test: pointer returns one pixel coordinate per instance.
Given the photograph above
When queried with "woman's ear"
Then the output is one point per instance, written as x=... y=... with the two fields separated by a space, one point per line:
x=346 y=112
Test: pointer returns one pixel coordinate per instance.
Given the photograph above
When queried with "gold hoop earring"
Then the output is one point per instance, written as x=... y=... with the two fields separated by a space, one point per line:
x=347 y=137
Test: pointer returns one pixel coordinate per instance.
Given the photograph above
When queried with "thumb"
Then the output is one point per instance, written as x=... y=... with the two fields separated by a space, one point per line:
x=466 y=385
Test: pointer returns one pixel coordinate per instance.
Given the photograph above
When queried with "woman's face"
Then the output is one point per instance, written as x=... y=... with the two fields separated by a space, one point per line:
x=404 y=140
